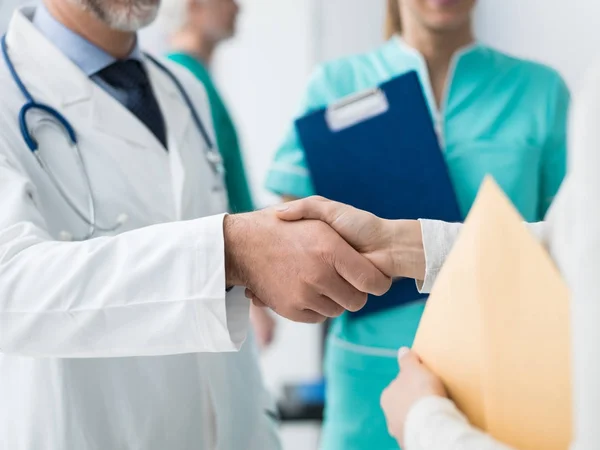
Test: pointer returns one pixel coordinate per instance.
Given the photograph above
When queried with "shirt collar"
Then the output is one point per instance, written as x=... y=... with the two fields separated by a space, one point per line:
x=88 y=57
x=402 y=44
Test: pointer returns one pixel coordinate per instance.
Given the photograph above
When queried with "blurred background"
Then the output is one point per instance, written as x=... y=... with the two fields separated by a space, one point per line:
x=262 y=73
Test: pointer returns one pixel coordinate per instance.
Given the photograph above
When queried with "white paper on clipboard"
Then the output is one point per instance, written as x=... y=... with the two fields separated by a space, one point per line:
x=356 y=108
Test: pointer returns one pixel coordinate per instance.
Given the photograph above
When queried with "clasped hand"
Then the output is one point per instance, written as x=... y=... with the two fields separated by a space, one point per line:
x=321 y=258
x=357 y=253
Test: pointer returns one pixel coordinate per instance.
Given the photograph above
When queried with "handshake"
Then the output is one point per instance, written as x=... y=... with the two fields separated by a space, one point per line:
x=313 y=259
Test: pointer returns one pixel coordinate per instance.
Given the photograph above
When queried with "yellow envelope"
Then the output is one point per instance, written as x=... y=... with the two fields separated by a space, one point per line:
x=496 y=329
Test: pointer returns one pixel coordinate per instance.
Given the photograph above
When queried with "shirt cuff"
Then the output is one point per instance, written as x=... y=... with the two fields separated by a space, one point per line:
x=438 y=239
x=222 y=324
x=418 y=432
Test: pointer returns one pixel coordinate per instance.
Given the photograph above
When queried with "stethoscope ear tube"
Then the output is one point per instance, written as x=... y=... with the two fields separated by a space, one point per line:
x=56 y=119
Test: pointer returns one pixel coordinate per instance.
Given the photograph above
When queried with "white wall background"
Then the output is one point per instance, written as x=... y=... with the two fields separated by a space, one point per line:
x=6 y=9
x=564 y=34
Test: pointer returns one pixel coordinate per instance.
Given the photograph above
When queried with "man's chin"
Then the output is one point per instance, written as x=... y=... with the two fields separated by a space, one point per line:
x=132 y=21
x=127 y=16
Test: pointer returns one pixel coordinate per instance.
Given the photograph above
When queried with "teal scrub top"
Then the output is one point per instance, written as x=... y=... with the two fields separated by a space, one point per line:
x=238 y=190
x=501 y=116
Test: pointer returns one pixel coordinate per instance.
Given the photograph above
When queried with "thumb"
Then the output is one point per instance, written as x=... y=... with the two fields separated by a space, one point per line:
x=314 y=208
x=407 y=359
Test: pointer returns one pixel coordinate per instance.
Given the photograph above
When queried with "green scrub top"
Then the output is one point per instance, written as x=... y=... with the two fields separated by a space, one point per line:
x=501 y=116
x=238 y=191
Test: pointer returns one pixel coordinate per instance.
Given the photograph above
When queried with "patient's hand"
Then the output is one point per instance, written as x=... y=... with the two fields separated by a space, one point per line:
x=413 y=383
x=394 y=246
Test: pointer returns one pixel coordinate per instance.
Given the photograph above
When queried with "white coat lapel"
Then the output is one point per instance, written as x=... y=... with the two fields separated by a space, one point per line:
x=111 y=137
x=67 y=88
x=64 y=84
x=110 y=117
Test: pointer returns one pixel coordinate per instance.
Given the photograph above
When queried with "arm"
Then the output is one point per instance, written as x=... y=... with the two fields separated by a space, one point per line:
x=161 y=289
x=420 y=416
x=400 y=248
x=146 y=292
x=577 y=245
x=434 y=423
x=438 y=239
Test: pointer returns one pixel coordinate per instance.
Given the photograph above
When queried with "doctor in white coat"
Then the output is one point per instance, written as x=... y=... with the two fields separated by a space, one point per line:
x=118 y=341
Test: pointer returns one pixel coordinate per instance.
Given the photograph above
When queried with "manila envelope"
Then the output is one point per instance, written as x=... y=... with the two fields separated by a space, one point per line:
x=496 y=329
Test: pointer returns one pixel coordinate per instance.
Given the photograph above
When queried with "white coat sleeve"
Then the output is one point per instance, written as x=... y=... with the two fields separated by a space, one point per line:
x=438 y=239
x=435 y=423
x=154 y=291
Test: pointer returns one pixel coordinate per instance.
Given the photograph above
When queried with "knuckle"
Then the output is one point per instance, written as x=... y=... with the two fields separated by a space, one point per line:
x=313 y=317
x=313 y=278
x=367 y=281
x=373 y=282
x=336 y=310
x=303 y=303
x=357 y=301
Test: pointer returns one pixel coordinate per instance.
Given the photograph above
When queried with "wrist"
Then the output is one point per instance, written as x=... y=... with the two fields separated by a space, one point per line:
x=406 y=250
x=232 y=235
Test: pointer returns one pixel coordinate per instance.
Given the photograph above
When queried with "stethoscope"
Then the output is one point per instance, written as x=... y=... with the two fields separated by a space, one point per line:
x=55 y=118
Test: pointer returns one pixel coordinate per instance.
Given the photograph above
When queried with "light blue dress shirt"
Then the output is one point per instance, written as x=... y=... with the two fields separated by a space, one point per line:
x=88 y=57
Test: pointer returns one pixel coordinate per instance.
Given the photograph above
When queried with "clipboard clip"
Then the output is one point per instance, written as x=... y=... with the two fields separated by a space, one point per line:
x=356 y=108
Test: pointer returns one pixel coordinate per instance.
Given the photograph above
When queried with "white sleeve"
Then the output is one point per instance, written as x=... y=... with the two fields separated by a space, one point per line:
x=438 y=240
x=578 y=246
x=435 y=423
x=153 y=291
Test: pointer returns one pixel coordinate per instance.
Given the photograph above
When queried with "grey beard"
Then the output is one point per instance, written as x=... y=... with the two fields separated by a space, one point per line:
x=122 y=15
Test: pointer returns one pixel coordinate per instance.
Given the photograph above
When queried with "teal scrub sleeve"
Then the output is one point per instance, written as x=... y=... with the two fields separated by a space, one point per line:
x=554 y=152
x=289 y=174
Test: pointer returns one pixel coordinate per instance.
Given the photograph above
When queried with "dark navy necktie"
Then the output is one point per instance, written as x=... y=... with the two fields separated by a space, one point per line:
x=130 y=78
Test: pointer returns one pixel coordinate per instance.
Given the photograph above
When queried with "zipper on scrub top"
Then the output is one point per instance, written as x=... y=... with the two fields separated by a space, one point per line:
x=440 y=112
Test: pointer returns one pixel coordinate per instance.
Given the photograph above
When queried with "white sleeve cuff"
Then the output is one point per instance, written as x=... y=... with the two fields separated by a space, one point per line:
x=237 y=308
x=438 y=239
x=224 y=324
x=419 y=429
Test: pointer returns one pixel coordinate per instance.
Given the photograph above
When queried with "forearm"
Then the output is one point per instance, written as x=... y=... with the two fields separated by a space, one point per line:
x=435 y=423
x=153 y=291
x=420 y=248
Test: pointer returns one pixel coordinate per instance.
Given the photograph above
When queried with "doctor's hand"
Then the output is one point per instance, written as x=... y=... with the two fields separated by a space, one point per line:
x=303 y=270
x=414 y=383
x=394 y=246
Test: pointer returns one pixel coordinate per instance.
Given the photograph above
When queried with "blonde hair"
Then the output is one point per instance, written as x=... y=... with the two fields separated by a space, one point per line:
x=393 y=21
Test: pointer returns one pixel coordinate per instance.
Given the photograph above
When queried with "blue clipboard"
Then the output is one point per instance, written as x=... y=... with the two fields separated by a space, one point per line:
x=378 y=151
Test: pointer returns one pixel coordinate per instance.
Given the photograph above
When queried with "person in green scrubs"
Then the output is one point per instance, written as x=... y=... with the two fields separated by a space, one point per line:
x=194 y=29
x=493 y=113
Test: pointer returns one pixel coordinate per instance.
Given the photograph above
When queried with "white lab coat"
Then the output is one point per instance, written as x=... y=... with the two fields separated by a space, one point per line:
x=106 y=344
